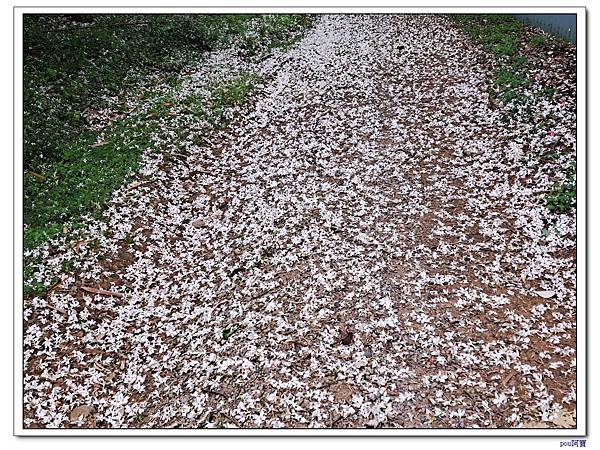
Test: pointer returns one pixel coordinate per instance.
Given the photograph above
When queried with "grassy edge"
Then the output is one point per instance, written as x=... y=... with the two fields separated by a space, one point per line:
x=117 y=159
x=136 y=133
x=503 y=36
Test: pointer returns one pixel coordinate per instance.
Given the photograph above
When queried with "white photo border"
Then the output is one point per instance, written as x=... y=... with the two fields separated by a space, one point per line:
x=582 y=235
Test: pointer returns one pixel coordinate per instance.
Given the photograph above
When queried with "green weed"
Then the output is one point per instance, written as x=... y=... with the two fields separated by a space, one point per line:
x=76 y=62
x=563 y=197
x=539 y=41
x=228 y=332
x=500 y=35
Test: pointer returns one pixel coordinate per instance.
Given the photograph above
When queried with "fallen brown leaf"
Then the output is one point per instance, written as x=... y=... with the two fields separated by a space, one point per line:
x=341 y=391
x=99 y=144
x=81 y=412
x=535 y=425
x=346 y=336
x=297 y=342
x=565 y=419
x=77 y=245
x=198 y=223
x=100 y=337
x=37 y=175
x=508 y=377
x=91 y=111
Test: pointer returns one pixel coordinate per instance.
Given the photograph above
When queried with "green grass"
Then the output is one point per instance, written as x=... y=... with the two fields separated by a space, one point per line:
x=71 y=65
x=539 y=42
x=499 y=34
x=67 y=70
x=276 y=31
x=509 y=80
x=502 y=36
x=34 y=287
x=563 y=197
x=82 y=180
x=234 y=92
x=138 y=418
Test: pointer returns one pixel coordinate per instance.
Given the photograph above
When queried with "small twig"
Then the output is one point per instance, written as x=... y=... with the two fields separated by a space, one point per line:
x=99 y=144
x=508 y=378
x=300 y=342
x=142 y=184
x=263 y=293
x=59 y=310
x=227 y=416
x=37 y=175
x=210 y=391
x=53 y=287
x=102 y=292
x=333 y=422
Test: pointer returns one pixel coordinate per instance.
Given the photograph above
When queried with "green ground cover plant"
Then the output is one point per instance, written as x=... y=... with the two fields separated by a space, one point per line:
x=505 y=37
x=564 y=195
x=500 y=35
x=75 y=64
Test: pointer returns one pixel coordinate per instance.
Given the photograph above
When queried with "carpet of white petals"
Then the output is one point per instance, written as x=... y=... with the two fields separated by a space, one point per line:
x=360 y=246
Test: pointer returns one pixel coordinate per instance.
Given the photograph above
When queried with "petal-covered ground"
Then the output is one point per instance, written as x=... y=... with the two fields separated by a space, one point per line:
x=365 y=244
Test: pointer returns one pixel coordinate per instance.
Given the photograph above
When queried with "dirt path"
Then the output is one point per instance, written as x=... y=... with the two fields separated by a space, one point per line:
x=361 y=247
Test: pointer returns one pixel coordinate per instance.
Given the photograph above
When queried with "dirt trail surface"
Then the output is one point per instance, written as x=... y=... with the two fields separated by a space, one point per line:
x=361 y=246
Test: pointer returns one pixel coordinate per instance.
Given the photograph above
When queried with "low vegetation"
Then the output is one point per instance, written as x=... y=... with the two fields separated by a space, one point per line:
x=564 y=195
x=77 y=67
x=501 y=35
x=506 y=39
